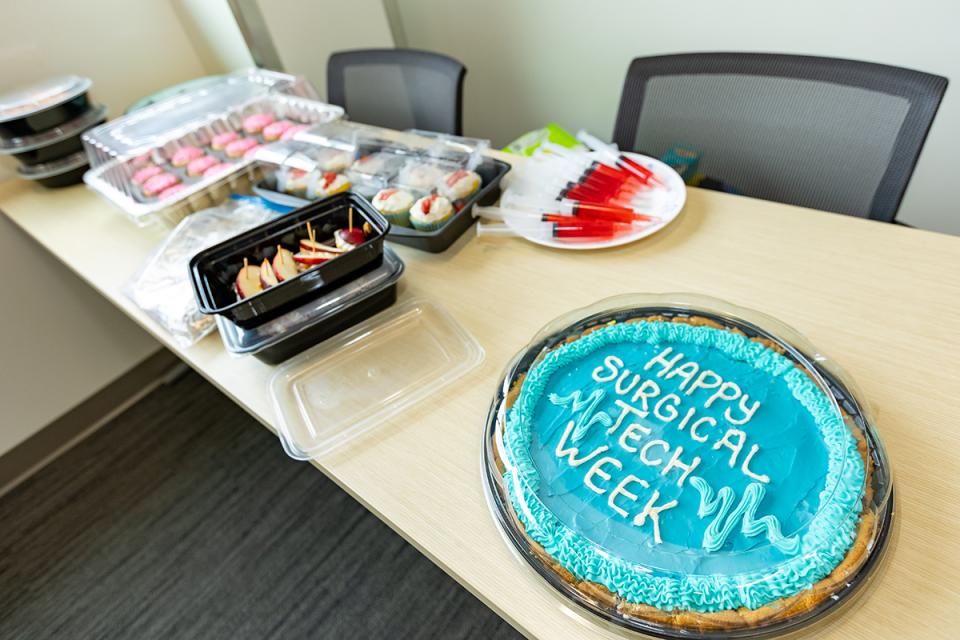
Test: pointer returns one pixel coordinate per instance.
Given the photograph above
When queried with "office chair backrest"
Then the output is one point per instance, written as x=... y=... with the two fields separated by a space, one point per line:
x=398 y=88
x=838 y=135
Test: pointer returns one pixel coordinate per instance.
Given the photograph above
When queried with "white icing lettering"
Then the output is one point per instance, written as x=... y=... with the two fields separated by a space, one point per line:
x=653 y=443
x=706 y=380
x=634 y=432
x=649 y=389
x=571 y=453
x=624 y=410
x=622 y=490
x=620 y=389
x=727 y=391
x=683 y=423
x=597 y=470
x=686 y=371
x=664 y=411
x=653 y=512
x=735 y=447
x=748 y=411
x=661 y=359
x=675 y=463
x=613 y=363
x=693 y=428
x=745 y=467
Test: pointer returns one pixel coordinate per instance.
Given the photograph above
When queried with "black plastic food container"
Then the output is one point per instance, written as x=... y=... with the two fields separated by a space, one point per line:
x=62 y=172
x=319 y=319
x=213 y=271
x=491 y=171
x=314 y=334
x=69 y=101
x=56 y=143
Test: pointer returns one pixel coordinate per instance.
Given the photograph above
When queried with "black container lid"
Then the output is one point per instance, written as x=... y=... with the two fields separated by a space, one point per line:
x=52 y=136
x=54 y=167
x=41 y=96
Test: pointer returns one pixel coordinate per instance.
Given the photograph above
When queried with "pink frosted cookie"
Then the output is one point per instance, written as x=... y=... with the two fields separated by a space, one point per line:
x=172 y=191
x=251 y=152
x=221 y=140
x=255 y=123
x=294 y=130
x=198 y=166
x=146 y=173
x=143 y=160
x=158 y=183
x=274 y=130
x=185 y=156
x=217 y=169
x=239 y=147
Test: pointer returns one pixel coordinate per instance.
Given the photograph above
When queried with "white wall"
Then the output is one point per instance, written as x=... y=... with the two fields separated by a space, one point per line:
x=533 y=61
x=60 y=342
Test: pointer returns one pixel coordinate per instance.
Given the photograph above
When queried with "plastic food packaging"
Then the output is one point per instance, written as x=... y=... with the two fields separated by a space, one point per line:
x=466 y=152
x=343 y=134
x=48 y=104
x=319 y=319
x=54 y=143
x=63 y=172
x=358 y=380
x=162 y=286
x=491 y=172
x=372 y=172
x=784 y=566
x=213 y=272
x=211 y=122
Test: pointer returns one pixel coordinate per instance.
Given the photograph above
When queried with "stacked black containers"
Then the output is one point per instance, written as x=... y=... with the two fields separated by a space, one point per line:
x=41 y=126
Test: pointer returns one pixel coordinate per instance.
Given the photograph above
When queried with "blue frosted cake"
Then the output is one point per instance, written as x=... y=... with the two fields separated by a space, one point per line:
x=677 y=471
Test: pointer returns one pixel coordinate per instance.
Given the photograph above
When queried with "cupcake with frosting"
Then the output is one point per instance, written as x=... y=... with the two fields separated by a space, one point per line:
x=328 y=184
x=431 y=212
x=395 y=205
x=460 y=185
x=293 y=181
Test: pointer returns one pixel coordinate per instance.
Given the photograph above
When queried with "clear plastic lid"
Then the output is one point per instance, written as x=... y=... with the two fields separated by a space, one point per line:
x=54 y=167
x=43 y=95
x=305 y=157
x=51 y=136
x=424 y=173
x=766 y=530
x=179 y=115
x=467 y=152
x=342 y=134
x=255 y=339
x=346 y=386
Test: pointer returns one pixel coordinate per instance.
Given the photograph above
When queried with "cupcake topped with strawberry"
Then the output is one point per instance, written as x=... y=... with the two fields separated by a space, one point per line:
x=460 y=184
x=431 y=212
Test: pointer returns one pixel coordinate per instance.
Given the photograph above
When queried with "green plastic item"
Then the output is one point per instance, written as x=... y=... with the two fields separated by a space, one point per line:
x=528 y=143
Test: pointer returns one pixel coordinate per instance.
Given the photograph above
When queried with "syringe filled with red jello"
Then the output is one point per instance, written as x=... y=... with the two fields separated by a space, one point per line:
x=565 y=228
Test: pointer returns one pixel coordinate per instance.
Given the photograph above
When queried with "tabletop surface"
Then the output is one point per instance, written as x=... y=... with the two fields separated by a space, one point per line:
x=881 y=300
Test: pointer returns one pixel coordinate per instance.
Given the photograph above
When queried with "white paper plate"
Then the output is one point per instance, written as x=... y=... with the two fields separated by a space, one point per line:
x=665 y=203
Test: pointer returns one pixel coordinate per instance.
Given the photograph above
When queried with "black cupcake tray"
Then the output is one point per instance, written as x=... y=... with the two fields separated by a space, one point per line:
x=491 y=172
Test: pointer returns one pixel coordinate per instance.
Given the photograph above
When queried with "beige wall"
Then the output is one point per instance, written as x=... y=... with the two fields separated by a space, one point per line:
x=60 y=342
x=532 y=61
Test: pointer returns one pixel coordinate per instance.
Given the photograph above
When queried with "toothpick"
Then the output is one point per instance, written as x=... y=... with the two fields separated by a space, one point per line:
x=350 y=219
x=245 y=266
x=313 y=239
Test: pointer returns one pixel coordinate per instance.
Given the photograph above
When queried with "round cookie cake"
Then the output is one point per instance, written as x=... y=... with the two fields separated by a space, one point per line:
x=677 y=468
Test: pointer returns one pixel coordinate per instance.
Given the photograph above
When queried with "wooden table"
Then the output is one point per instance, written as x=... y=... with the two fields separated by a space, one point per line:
x=882 y=300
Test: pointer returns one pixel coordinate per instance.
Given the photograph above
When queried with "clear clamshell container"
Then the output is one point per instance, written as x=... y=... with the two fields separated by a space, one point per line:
x=466 y=152
x=686 y=468
x=362 y=378
x=200 y=143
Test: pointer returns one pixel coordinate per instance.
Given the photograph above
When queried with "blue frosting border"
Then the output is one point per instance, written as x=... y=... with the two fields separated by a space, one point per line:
x=822 y=546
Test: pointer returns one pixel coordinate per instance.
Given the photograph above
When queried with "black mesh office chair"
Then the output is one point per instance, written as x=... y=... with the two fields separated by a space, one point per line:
x=838 y=135
x=398 y=88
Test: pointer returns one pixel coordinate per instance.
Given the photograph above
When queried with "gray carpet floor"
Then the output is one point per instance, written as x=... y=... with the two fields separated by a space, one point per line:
x=183 y=518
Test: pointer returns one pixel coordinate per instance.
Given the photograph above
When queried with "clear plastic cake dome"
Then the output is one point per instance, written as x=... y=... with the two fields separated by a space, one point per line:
x=683 y=467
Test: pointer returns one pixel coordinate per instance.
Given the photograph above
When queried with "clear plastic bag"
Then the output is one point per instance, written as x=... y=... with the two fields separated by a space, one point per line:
x=162 y=286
